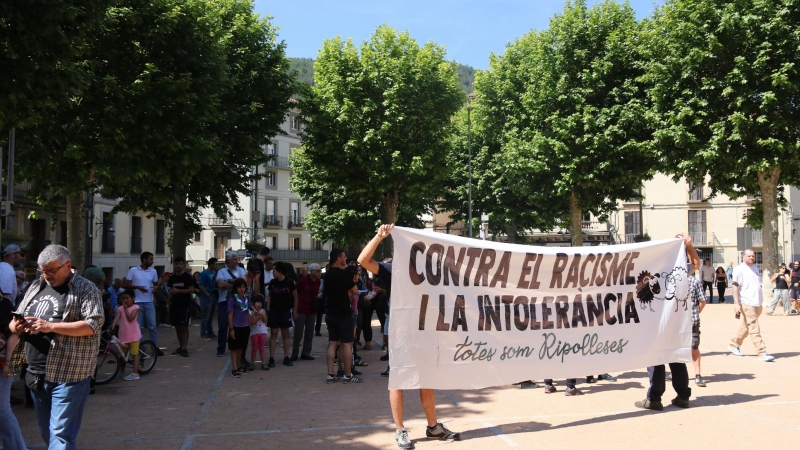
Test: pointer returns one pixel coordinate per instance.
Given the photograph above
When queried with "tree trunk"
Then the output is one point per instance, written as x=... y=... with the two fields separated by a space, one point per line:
x=575 y=219
x=511 y=232
x=768 y=185
x=179 y=225
x=76 y=231
x=389 y=215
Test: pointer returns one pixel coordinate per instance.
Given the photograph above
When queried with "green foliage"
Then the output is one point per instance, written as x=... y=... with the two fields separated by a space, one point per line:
x=565 y=115
x=378 y=124
x=466 y=77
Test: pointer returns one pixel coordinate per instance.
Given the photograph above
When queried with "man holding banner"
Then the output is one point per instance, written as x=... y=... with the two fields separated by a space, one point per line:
x=435 y=430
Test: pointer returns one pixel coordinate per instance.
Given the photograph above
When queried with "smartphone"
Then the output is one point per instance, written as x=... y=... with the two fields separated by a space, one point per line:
x=17 y=315
x=737 y=315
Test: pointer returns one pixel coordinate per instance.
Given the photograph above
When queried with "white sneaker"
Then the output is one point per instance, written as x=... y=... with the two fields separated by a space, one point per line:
x=735 y=350
x=766 y=357
x=402 y=439
x=132 y=377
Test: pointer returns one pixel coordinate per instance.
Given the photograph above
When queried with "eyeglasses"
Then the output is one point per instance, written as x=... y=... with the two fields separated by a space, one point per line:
x=49 y=273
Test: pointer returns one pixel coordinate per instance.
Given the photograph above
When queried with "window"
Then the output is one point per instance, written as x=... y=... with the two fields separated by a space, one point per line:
x=198 y=236
x=272 y=241
x=270 y=218
x=160 y=236
x=316 y=245
x=295 y=219
x=109 y=271
x=294 y=243
x=638 y=192
x=272 y=152
x=136 y=234
x=108 y=244
x=695 y=192
x=295 y=123
x=270 y=179
x=697 y=226
x=633 y=225
x=159 y=270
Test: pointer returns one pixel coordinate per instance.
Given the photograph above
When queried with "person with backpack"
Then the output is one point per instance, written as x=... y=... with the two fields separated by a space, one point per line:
x=307 y=293
x=209 y=295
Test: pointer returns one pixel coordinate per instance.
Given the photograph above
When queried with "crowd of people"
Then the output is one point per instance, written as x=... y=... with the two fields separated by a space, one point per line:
x=50 y=328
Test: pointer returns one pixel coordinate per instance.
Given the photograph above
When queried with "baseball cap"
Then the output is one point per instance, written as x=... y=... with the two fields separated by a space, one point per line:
x=13 y=248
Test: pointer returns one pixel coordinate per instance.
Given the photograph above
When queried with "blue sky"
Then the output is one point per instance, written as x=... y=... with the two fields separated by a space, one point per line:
x=470 y=29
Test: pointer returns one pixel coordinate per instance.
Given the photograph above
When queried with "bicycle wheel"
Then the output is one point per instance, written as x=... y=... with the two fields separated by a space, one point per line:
x=147 y=357
x=107 y=367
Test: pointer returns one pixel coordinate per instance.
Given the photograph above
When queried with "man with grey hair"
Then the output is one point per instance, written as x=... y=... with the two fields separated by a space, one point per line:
x=307 y=292
x=747 y=300
x=13 y=256
x=60 y=336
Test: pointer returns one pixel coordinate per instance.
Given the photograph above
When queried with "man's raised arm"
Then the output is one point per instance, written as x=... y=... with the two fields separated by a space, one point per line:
x=365 y=258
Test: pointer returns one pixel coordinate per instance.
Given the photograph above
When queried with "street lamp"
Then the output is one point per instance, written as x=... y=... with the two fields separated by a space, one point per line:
x=470 y=97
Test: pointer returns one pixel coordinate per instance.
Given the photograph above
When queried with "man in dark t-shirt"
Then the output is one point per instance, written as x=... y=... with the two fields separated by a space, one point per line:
x=338 y=286
x=435 y=430
x=181 y=286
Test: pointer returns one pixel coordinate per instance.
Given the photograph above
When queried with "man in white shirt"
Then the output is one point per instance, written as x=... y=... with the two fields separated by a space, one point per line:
x=12 y=256
x=225 y=277
x=141 y=279
x=747 y=299
x=707 y=277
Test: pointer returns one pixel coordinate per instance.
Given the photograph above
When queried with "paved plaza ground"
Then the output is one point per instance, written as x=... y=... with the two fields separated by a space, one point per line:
x=194 y=403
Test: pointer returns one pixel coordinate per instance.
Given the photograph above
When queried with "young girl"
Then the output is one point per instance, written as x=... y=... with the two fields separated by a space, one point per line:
x=239 y=324
x=129 y=332
x=258 y=330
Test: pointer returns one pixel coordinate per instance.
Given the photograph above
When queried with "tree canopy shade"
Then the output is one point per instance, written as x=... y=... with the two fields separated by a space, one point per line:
x=725 y=86
x=566 y=108
x=377 y=130
x=184 y=94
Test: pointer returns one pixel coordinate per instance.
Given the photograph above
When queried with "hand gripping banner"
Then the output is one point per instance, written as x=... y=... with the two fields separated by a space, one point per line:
x=469 y=314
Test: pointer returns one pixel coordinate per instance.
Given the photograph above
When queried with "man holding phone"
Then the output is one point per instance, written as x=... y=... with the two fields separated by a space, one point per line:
x=60 y=334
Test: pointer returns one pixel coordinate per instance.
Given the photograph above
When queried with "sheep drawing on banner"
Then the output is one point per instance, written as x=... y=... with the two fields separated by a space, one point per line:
x=673 y=285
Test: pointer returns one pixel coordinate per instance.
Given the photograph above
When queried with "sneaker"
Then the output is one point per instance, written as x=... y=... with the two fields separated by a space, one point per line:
x=185 y=353
x=590 y=379
x=264 y=366
x=698 y=380
x=355 y=372
x=549 y=388
x=165 y=325
x=570 y=392
x=178 y=351
x=131 y=377
x=293 y=358
x=220 y=354
x=647 y=404
x=212 y=335
x=766 y=357
x=402 y=439
x=680 y=403
x=385 y=357
x=159 y=352
x=236 y=374
x=606 y=377
x=307 y=357
x=271 y=362
x=351 y=379
x=528 y=385
x=769 y=313
x=331 y=379
x=385 y=373
x=735 y=350
x=204 y=337
x=439 y=431
x=340 y=373
x=287 y=361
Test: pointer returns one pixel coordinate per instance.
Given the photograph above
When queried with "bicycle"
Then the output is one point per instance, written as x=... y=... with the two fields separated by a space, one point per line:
x=111 y=358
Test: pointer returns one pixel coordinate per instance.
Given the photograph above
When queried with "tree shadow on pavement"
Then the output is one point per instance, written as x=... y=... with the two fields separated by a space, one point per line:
x=627 y=375
x=785 y=354
x=597 y=388
x=721 y=377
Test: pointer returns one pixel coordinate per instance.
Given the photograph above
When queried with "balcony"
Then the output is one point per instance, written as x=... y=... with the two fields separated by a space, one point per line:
x=224 y=222
x=300 y=255
x=700 y=238
x=758 y=238
x=280 y=162
x=297 y=222
x=272 y=221
x=630 y=238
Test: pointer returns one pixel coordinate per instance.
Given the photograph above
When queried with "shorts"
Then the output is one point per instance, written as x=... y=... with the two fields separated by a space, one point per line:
x=133 y=346
x=277 y=319
x=240 y=342
x=340 y=328
x=794 y=295
x=695 y=337
x=179 y=314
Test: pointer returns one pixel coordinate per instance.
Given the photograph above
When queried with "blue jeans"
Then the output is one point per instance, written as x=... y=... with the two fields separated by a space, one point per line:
x=9 y=427
x=208 y=306
x=59 y=410
x=222 y=327
x=680 y=381
x=147 y=318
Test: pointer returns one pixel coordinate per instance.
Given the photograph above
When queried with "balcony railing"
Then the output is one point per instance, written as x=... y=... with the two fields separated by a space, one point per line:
x=225 y=222
x=297 y=222
x=700 y=238
x=272 y=221
x=281 y=162
x=758 y=238
x=300 y=255
x=629 y=238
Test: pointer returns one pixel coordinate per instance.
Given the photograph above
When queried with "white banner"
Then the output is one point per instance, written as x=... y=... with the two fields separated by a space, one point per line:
x=469 y=314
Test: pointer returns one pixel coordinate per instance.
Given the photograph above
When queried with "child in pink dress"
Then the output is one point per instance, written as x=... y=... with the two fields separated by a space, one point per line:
x=129 y=332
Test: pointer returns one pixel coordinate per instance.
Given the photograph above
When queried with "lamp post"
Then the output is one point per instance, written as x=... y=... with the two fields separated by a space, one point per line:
x=470 y=97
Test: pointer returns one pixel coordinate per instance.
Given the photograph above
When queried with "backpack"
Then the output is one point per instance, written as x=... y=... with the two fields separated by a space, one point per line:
x=214 y=289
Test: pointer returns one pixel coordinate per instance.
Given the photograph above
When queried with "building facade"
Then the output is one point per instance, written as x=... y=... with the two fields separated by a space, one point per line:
x=272 y=214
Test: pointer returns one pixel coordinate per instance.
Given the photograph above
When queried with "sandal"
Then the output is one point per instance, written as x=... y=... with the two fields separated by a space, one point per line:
x=264 y=366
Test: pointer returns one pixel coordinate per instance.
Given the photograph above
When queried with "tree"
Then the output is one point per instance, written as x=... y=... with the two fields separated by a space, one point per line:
x=568 y=113
x=725 y=87
x=377 y=129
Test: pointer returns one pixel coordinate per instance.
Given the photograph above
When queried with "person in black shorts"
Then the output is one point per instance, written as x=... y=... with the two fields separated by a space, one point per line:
x=281 y=310
x=339 y=317
x=181 y=286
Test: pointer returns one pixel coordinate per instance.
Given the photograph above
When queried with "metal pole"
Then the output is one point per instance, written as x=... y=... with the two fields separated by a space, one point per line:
x=469 y=151
x=10 y=189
